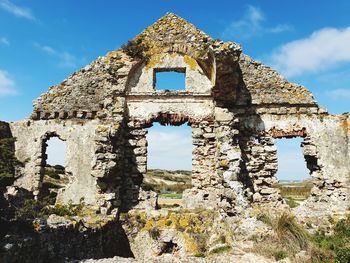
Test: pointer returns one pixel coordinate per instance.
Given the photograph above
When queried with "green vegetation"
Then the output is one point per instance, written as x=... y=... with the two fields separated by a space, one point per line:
x=54 y=171
x=154 y=233
x=335 y=247
x=290 y=238
x=8 y=161
x=289 y=233
x=32 y=209
x=295 y=192
x=291 y=202
x=168 y=184
x=171 y=195
x=221 y=249
x=135 y=48
x=280 y=254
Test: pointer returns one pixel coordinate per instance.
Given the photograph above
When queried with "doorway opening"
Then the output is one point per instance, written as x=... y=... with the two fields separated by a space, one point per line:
x=294 y=177
x=169 y=164
x=54 y=175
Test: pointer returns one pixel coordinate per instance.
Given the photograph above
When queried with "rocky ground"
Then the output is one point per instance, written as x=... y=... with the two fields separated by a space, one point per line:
x=225 y=258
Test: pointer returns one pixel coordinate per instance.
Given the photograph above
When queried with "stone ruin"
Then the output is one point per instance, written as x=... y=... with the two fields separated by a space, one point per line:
x=235 y=106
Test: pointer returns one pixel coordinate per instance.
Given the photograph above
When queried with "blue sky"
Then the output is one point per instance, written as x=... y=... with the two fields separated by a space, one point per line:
x=42 y=42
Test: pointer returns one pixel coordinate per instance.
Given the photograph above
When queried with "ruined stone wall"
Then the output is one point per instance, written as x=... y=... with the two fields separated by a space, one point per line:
x=264 y=87
x=79 y=137
x=326 y=152
x=235 y=106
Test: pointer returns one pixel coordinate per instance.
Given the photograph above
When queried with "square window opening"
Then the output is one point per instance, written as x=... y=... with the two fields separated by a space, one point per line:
x=170 y=79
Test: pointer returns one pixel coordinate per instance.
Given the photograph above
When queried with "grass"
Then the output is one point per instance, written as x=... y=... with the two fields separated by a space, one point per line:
x=164 y=181
x=297 y=189
x=290 y=238
x=335 y=247
x=295 y=192
x=32 y=209
x=289 y=233
x=291 y=202
x=280 y=254
x=221 y=249
x=171 y=195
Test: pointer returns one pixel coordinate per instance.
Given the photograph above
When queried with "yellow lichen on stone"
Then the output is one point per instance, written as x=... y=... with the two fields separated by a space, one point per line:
x=143 y=215
x=150 y=224
x=161 y=223
x=116 y=126
x=154 y=60
x=191 y=62
x=173 y=219
x=115 y=56
x=190 y=244
x=101 y=128
x=344 y=124
x=184 y=220
x=224 y=163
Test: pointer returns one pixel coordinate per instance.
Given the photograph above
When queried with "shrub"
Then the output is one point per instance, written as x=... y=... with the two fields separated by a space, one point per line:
x=154 y=233
x=335 y=247
x=280 y=254
x=291 y=233
x=32 y=209
x=8 y=161
x=135 y=48
x=291 y=202
x=221 y=249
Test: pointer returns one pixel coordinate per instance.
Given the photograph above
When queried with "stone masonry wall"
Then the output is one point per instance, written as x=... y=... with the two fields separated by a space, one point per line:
x=236 y=107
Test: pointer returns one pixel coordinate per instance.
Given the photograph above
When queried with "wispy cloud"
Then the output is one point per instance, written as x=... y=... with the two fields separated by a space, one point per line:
x=323 y=49
x=47 y=49
x=4 y=41
x=7 y=84
x=252 y=24
x=16 y=10
x=65 y=59
x=339 y=94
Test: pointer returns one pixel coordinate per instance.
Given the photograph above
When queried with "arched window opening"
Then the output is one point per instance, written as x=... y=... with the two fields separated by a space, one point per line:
x=294 y=177
x=169 y=163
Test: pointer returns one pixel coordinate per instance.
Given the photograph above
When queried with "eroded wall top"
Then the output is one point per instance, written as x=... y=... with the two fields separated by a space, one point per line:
x=263 y=85
x=222 y=72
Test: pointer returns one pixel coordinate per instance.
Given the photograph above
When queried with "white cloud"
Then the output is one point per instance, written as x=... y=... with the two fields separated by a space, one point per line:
x=281 y=28
x=7 y=85
x=16 y=10
x=170 y=148
x=323 y=49
x=66 y=60
x=4 y=41
x=251 y=24
x=339 y=94
x=46 y=49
